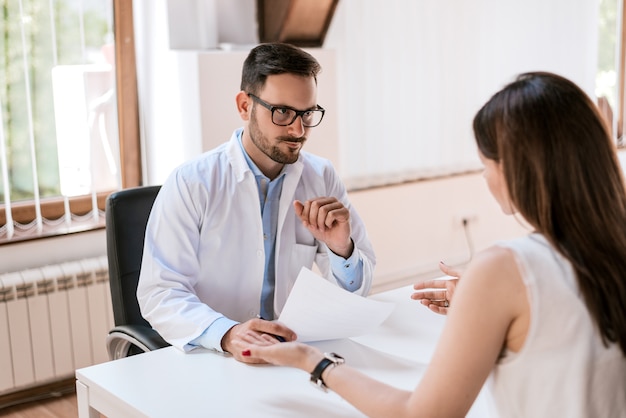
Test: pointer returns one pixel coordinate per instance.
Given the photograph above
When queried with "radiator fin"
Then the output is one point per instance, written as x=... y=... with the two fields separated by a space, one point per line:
x=53 y=320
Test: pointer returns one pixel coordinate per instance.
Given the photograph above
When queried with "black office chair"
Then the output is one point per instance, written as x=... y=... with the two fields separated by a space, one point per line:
x=126 y=217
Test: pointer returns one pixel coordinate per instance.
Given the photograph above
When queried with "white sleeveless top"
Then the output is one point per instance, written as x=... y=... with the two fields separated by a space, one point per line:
x=563 y=369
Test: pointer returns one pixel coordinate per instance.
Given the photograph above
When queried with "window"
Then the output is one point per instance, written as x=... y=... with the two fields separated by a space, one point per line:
x=60 y=143
x=610 y=75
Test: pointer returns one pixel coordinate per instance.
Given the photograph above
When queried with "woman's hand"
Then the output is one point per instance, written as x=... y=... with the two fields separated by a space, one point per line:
x=437 y=294
x=292 y=354
x=255 y=331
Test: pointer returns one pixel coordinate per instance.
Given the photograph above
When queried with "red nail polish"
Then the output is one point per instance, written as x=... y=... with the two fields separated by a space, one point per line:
x=245 y=353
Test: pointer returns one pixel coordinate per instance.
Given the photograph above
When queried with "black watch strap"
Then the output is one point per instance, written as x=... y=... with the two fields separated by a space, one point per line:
x=316 y=374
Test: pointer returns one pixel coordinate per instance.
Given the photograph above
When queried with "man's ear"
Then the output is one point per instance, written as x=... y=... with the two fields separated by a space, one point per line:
x=244 y=105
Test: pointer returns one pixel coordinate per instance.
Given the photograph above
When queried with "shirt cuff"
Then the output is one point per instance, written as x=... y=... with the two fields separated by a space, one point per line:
x=347 y=271
x=212 y=336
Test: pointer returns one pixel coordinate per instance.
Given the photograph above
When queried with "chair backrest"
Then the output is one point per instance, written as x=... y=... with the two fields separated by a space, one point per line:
x=126 y=215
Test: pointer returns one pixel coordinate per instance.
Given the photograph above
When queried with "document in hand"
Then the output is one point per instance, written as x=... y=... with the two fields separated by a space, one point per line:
x=318 y=310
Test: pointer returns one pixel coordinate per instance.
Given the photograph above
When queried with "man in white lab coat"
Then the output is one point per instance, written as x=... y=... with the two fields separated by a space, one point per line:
x=231 y=229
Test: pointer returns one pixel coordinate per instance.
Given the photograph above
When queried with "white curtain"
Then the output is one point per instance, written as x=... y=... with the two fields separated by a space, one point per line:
x=412 y=74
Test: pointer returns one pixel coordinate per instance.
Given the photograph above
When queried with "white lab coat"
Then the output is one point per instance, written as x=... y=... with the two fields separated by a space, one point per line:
x=204 y=256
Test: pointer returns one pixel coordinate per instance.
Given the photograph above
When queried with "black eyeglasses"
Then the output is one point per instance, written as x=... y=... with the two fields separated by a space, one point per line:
x=285 y=116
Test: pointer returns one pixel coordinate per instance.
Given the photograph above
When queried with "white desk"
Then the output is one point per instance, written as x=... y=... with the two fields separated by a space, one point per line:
x=169 y=383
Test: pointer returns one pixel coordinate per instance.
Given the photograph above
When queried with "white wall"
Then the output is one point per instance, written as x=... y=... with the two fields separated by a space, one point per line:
x=168 y=78
x=188 y=106
x=44 y=251
x=413 y=226
x=406 y=78
x=412 y=74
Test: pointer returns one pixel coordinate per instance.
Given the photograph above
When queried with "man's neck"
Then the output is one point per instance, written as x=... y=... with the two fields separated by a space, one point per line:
x=270 y=168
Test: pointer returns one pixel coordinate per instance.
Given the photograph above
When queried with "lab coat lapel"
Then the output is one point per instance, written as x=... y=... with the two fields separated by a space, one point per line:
x=293 y=172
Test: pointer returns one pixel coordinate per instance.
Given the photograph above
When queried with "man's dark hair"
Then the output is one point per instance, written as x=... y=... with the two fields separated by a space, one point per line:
x=276 y=58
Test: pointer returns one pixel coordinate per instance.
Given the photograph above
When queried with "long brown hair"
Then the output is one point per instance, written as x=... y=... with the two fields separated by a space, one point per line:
x=564 y=178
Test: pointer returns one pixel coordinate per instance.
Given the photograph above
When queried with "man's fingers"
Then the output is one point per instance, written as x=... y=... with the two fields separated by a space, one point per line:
x=339 y=214
x=254 y=337
x=298 y=206
x=274 y=330
x=303 y=211
x=321 y=212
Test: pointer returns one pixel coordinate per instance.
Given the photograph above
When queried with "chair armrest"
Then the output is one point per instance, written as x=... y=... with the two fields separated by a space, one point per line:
x=123 y=337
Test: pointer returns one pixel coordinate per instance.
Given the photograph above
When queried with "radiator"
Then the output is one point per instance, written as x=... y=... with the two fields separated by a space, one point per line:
x=53 y=320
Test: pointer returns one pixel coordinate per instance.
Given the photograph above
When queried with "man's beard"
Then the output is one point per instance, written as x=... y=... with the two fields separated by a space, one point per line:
x=273 y=151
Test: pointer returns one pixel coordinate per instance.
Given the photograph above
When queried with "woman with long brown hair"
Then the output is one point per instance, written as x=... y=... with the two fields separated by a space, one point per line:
x=542 y=316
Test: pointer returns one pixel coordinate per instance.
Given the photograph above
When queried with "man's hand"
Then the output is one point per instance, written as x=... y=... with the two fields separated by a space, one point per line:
x=257 y=331
x=329 y=221
x=437 y=294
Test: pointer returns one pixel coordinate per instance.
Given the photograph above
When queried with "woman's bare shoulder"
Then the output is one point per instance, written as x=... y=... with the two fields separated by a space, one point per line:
x=490 y=266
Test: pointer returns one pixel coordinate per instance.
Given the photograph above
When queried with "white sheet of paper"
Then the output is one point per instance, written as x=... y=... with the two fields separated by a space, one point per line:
x=317 y=310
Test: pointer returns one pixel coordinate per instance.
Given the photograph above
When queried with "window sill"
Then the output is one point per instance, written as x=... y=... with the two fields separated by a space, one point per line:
x=76 y=228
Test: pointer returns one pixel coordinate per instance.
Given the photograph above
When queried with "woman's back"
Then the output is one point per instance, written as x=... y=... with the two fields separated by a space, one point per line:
x=563 y=368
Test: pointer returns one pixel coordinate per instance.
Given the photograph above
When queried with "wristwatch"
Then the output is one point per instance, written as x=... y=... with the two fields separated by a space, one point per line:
x=328 y=360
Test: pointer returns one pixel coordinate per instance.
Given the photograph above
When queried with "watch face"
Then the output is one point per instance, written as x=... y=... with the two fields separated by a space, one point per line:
x=336 y=358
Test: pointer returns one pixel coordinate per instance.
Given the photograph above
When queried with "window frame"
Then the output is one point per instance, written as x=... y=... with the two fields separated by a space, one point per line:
x=128 y=128
x=621 y=76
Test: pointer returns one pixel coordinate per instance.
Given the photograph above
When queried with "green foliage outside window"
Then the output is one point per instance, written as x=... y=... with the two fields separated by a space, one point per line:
x=45 y=37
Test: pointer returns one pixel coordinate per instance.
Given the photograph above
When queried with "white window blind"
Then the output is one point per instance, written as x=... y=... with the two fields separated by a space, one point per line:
x=58 y=130
x=412 y=74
